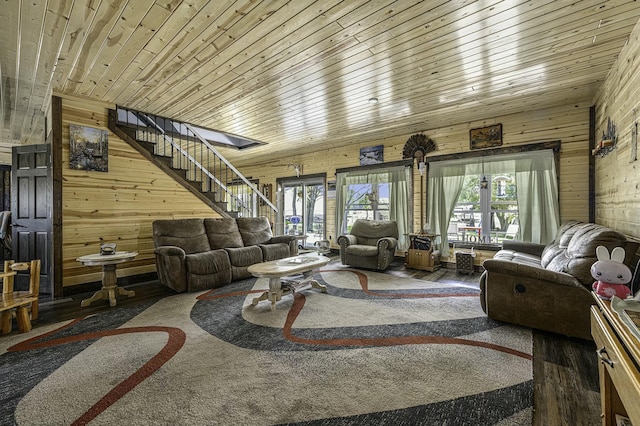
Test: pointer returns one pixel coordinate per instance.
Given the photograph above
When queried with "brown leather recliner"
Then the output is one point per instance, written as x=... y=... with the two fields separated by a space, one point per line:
x=371 y=244
x=549 y=287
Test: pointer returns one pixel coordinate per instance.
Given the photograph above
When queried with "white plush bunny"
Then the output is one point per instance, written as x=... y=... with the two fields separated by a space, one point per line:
x=611 y=273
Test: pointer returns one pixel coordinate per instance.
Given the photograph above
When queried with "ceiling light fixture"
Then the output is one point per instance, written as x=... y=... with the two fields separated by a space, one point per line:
x=373 y=100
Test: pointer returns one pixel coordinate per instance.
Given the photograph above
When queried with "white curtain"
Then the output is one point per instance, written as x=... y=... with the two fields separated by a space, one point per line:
x=537 y=195
x=536 y=186
x=445 y=185
x=399 y=211
x=399 y=179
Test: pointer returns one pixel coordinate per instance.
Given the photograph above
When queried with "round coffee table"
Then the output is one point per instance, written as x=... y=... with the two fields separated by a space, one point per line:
x=109 y=278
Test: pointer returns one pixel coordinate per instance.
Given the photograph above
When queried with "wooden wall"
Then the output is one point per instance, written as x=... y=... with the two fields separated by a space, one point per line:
x=569 y=124
x=117 y=206
x=617 y=189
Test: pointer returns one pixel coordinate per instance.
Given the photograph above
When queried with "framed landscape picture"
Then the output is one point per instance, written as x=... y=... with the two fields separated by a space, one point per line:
x=88 y=148
x=486 y=137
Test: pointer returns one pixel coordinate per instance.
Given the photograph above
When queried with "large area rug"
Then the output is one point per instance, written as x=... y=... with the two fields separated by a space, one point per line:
x=375 y=350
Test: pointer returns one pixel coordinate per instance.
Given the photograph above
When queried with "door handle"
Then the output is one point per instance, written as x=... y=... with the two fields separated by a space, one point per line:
x=604 y=356
x=17 y=225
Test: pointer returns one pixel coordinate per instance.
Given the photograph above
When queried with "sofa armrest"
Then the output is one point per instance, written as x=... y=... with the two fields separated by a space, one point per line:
x=528 y=271
x=286 y=239
x=347 y=240
x=289 y=240
x=524 y=247
x=388 y=243
x=171 y=268
x=170 y=251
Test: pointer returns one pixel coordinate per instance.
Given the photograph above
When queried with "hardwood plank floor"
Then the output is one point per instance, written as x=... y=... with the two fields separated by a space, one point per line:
x=565 y=369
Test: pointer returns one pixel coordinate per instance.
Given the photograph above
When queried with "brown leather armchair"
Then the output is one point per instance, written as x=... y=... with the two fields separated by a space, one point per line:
x=371 y=244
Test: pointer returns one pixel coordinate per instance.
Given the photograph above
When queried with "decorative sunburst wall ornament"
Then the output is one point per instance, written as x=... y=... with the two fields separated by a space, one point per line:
x=418 y=146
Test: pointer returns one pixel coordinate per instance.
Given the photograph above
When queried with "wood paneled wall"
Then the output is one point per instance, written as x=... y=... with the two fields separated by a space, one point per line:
x=117 y=206
x=617 y=188
x=569 y=124
x=120 y=205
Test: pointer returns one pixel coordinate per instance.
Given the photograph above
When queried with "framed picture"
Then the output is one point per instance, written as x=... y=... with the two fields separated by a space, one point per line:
x=88 y=148
x=371 y=155
x=486 y=137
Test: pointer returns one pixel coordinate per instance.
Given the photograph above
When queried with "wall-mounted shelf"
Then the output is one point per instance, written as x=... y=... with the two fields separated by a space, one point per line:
x=608 y=141
x=604 y=147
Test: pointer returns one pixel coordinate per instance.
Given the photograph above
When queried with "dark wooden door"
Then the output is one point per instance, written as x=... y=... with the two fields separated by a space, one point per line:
x=31 y=210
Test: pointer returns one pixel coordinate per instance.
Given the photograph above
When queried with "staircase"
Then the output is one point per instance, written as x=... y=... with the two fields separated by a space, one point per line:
x=181 y=150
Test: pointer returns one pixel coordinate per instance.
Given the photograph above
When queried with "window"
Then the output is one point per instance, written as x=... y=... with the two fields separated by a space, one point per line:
x=484 y=214
x=366 y=201
x=530 y=201
x=302 y=210
x=378 y=192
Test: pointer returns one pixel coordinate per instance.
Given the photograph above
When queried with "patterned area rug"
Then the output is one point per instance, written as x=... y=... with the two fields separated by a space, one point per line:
x=375 y=349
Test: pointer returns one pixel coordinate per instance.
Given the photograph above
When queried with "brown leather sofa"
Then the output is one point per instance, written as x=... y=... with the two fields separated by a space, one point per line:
x=198 y=254
x=549 y=287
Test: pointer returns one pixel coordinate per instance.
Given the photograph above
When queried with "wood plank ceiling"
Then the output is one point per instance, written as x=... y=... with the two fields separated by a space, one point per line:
x=299 y=74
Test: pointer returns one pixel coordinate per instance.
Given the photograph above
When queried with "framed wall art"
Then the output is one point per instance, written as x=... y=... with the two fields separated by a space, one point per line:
x=486 y=137
x=88 y=148
x=371 y=155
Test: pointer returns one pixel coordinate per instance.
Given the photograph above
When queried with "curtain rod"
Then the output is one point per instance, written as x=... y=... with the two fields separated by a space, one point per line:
x=405 y=163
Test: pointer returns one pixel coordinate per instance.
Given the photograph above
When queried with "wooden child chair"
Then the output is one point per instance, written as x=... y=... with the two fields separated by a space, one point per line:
x=21 y=301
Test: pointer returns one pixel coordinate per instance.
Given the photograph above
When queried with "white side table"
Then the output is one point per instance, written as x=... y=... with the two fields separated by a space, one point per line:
x=109 y=278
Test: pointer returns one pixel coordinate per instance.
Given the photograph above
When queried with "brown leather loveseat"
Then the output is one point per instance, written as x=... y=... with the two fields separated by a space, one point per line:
x=198 y=254
x=549 y=287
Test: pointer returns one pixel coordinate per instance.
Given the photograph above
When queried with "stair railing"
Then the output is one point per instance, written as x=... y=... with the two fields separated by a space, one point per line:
x=202 y=162
x=255 y=192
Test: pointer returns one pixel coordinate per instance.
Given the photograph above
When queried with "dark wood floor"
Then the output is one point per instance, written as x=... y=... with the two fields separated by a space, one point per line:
x=565 y=369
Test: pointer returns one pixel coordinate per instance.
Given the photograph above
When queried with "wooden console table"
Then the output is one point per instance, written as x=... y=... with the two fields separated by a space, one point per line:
x=619 y=353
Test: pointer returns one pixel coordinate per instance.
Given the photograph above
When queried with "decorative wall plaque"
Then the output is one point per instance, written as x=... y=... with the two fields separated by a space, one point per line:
x=486 y=137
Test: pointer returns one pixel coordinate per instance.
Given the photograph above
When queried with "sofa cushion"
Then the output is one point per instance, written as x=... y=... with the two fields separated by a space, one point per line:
x=188 y=234
x=254 y=230
x=274 y=251
x=553 y=254
x=573 y=250
x=362 y=250
x=581 y=251
x=518 y=257
x=244 y=256
x=222 y=233
x=208 y=269
x=368 y=232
